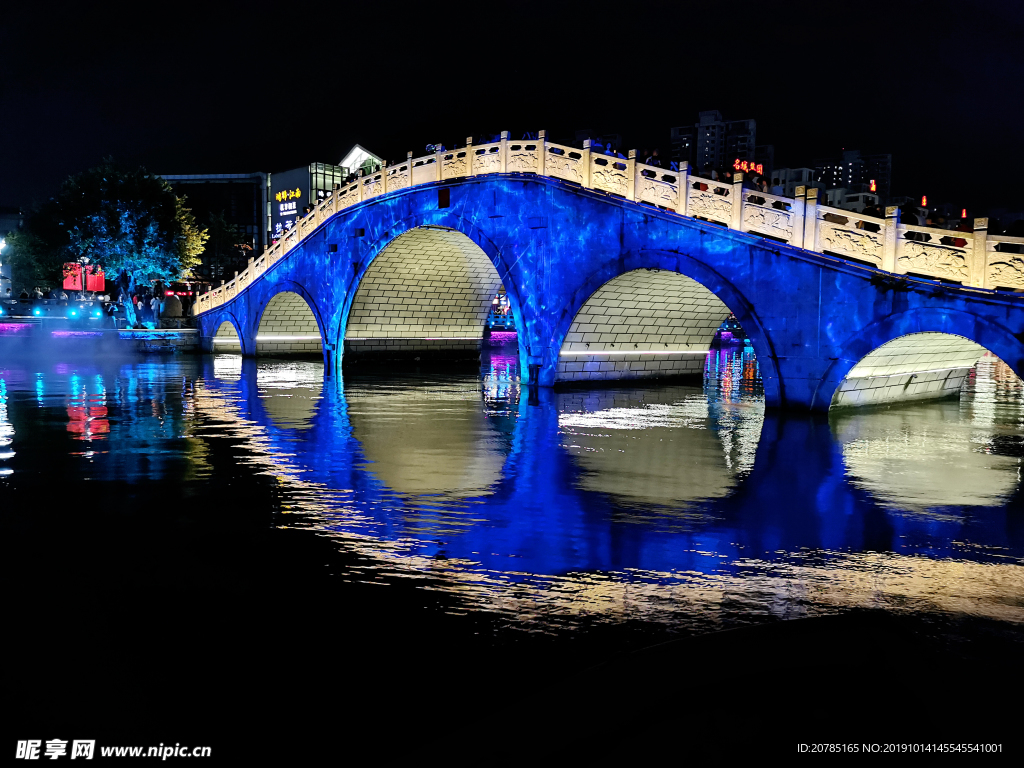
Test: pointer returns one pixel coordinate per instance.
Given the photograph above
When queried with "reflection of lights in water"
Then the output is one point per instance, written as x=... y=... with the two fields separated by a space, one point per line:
x=584 y=565
x=227 y=367
x=924 y=457
x=6 y=429
x=87 y=414
x=501 y=374
x=290 y=390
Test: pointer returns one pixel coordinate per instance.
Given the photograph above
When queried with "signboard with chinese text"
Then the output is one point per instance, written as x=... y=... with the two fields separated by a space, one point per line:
x=290 y=193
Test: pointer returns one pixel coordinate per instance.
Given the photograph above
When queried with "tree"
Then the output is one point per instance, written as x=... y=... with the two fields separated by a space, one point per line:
x=128 y=222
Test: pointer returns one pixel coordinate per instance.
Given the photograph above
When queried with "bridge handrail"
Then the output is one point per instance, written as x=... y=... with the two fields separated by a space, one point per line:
x=800 y=221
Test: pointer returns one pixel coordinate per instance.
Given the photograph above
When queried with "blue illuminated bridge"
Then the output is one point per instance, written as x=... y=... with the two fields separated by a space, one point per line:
x=616 y=270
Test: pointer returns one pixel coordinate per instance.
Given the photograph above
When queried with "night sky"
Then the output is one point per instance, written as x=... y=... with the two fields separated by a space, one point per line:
x=241 y=87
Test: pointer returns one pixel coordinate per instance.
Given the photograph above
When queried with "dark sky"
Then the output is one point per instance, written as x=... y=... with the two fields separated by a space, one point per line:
x=238 y=87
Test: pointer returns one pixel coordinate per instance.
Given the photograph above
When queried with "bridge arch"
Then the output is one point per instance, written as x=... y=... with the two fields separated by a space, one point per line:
x=911 y=355
x=288 y=323
x=667 y=286
x=227 y=337
x=425 y=290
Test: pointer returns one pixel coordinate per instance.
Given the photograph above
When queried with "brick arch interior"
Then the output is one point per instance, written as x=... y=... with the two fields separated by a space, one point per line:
x=917 y=366
x=429 y=291
x=226 y=339
x=643 y=324
x=288 y=328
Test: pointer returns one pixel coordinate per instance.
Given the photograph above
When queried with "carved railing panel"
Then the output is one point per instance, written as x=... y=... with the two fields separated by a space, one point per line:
x=768 y=215
x=398 y=177
x=655 y=186
x=424 y=170
x=608 y=174
x=486 y=158
x=373 y=185
x=709 y=199
x=523 y=157
x=456 y=164
x=1004 y=262
x=933 y=252
x=851 y=235
x=564 y=163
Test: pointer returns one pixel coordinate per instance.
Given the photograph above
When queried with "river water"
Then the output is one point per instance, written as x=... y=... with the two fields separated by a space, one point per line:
x=632 y=514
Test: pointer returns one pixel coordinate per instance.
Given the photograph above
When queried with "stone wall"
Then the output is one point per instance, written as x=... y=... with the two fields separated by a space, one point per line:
x=643 y=324
x=288 y=327
x=226 y=340
x=428 y=291
x=919 y=366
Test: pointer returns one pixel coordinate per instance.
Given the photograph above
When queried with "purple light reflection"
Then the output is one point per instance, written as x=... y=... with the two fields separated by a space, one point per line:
x=504 y=337
x=14 y=327
x=67 y=334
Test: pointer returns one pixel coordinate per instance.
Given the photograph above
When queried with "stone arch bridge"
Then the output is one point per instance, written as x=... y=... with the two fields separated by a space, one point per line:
x=616 y=270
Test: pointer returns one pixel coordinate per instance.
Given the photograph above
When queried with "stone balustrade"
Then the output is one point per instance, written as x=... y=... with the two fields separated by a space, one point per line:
x=974 y=259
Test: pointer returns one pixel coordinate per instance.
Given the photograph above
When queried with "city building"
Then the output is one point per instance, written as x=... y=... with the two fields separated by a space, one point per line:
x=231 y=206
x=791 y=178
x=294 y=190
x=718 y=143
x=245 y=213
x=856 y=171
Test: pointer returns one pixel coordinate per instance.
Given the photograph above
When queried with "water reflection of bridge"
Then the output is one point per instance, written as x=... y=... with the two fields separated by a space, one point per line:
x=568 y=504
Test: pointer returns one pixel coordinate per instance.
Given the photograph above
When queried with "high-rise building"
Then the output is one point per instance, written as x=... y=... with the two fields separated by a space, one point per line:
x=718 y=143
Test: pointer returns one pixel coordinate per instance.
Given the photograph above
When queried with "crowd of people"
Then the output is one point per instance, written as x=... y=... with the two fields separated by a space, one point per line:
x=153 y=306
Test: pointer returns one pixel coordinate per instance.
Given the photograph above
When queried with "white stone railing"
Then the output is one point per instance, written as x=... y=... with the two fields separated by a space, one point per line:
x=971 y=258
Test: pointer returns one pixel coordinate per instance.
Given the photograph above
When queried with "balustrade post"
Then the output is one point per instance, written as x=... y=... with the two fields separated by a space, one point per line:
x=383 y=180
x=799 y=203
x=359 y=186
x=469 y=156
x=504 y=150
x=542 y=151
x=631 y=172
x=979 y=255
x=682 y=195
x=811 y=220
x=737 y=202
x=438 y=159
x=585 y=162
x=892 y=228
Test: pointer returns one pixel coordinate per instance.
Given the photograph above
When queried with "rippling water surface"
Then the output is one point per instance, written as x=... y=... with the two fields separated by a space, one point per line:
x=685 y=506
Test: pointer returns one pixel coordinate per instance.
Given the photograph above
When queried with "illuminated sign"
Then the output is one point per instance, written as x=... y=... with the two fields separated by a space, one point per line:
x=95 y=280
x=963 y=214
x=291 y=191
x=743 y=165
x=924 y=201
x=873 y=187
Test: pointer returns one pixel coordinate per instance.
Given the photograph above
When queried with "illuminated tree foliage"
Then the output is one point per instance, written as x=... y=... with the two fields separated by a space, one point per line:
x=128 y=222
